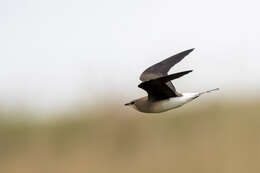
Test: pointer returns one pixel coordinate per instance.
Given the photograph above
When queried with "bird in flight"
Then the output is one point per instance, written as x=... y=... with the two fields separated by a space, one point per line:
x=162 y=95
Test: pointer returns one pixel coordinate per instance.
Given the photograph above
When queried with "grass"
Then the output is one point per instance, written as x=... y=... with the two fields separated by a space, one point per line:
x=219 y=137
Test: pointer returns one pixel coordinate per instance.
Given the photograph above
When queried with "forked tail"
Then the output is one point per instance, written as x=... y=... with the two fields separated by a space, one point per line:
x=216 y=89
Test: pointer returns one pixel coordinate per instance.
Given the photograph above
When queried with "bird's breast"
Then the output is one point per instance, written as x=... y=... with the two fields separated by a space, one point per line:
x=159 y=106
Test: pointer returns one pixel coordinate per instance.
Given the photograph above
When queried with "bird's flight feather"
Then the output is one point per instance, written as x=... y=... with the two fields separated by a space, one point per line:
x=161 y=69
x=157 y=88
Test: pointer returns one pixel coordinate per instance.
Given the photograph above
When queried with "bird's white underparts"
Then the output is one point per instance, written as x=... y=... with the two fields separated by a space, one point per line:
x=162 y=95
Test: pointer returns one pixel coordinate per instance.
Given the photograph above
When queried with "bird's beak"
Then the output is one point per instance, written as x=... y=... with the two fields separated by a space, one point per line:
x=127 y=104
x=130 y=103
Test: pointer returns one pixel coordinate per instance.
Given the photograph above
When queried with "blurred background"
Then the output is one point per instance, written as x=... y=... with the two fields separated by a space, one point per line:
x=67 y=68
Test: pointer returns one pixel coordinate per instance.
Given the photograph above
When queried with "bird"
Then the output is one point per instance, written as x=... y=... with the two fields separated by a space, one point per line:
x=162 y=95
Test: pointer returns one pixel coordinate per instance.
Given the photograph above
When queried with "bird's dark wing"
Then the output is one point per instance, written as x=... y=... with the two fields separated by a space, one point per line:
x=158 y=89
x=161 y=69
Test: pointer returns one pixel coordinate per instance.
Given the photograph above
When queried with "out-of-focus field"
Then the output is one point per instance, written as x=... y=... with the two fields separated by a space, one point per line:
x=220 y=137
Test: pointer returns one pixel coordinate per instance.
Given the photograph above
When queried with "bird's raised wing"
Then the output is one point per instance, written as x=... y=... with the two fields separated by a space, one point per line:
x=161 y=69
x=158 y=89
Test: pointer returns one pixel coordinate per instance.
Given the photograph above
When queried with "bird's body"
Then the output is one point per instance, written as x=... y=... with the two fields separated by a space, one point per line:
x=162 y=95
x=144 y=105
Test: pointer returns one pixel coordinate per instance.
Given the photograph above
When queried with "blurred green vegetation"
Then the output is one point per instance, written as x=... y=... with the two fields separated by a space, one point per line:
x=217 y=137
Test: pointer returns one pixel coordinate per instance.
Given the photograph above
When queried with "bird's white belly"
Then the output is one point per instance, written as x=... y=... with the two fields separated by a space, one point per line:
x=144 y=105
x=160 y=106
x=165 y=105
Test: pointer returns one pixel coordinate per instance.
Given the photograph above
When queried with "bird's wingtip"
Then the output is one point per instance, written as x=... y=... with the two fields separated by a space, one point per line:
x=189 y=50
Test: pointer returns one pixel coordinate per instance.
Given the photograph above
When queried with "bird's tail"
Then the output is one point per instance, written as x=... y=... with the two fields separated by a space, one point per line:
x=204 y=92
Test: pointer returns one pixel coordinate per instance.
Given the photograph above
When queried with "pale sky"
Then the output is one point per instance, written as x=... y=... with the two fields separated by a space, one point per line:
x=58 y=52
